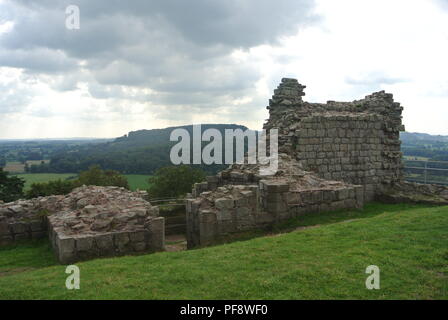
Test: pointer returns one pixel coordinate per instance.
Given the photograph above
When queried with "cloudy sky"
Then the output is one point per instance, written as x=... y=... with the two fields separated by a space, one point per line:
x=151 y=64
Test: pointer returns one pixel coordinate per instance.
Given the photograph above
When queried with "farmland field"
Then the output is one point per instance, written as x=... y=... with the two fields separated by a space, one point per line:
x=31 y=178
x=136 y=181
x=14 y=167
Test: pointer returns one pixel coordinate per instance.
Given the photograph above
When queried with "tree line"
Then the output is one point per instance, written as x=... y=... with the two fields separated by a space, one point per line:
x=172 y=181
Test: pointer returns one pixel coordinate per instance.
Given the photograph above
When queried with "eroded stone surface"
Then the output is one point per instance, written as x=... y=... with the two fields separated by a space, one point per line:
x=89 y=222
x=91 y=210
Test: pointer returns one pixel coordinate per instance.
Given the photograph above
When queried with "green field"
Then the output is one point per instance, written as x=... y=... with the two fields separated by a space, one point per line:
x=136 y=181
x=327 y=260
x=31 y=178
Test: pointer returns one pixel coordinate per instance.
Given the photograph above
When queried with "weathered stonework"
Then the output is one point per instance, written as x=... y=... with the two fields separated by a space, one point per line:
x=357 y=142
x=89 y=222
x=239 y=199
x=332 y=156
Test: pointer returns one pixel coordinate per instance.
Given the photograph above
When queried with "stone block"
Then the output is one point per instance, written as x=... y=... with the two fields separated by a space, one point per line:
x=243 y=212
x=294 y=198
x=38 y=235
x=4 y=229
x=343 y=194
x=137 y=236
x=241 y=202
x=19 y=227
x=223 y=203
x=224 y=214
x=276 y=207
x=36 y=226
x=329 y=195
x=139 y=246
x=84 y=243
x=210 y=232
x=317 y=196
x=265 y=218
x=274 y=186
x=6 y=240
x=65 y=249
x=105 y=243
x=121 y=241
x=21 y=236
x=156 y=230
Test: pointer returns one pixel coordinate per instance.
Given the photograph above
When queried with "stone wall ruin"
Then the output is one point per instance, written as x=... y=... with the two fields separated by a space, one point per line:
x=239 y=199
x=357 y=142
x=332 y=156
x=89 y=222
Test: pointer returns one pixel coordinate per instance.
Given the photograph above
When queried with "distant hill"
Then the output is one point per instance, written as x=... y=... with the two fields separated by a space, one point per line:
x=144 y=151
x=138 y=152
x=409 y=137
x=433 y=147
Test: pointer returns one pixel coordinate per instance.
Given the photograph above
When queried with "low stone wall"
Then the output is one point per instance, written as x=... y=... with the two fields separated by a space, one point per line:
x=70 y=249
x=89 y=222
x=237 y=208
x=17 y=231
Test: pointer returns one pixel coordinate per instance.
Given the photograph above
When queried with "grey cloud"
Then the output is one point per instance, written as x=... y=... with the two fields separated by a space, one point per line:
x=237 y=23
x=39 y=60
x=178 y=49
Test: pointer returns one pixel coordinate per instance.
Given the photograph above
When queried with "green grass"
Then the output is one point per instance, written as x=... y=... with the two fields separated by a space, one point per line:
x=138 y=181
x=31 y=178
x=408 y=243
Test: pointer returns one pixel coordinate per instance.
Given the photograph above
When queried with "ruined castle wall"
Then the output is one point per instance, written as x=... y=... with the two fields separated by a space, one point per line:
x=213 y=215
x=356 y=142
x=350 y=147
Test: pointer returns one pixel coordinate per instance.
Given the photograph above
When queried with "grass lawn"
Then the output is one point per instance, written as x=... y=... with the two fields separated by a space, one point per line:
x=138 y=181
x=31 y=178
x=328 y=261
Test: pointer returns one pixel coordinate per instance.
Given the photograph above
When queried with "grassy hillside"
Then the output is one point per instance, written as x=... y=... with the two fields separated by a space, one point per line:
x=408 y=243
